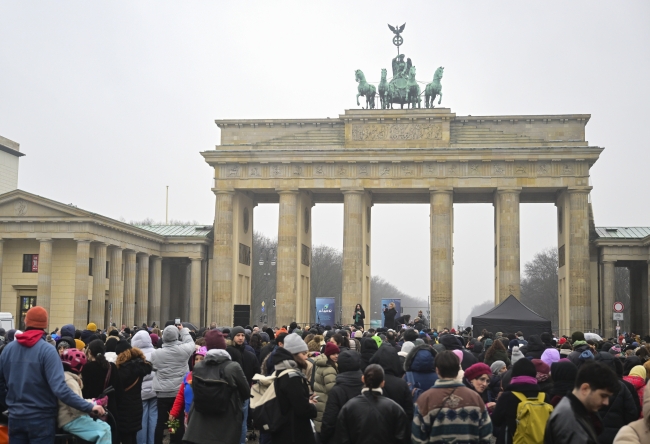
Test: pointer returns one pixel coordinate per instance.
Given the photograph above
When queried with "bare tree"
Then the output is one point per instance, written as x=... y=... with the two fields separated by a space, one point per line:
x=263 y=279
x=539 y=285
x=478 y=310
x=326 y=275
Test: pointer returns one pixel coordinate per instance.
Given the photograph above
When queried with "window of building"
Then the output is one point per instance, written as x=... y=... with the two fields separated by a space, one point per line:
x=24 y=304
x=30 y=263
x=90 y=266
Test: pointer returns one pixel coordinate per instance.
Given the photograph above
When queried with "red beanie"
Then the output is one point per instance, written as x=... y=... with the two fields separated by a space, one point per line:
x=562 y=340
x=541 y=367
x=214 y=339
x=331 y=349
x=477 y=370
x=36 y=317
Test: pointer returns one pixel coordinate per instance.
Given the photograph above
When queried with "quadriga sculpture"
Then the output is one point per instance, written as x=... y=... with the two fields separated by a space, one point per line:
x=365 y=89
x=434 y=89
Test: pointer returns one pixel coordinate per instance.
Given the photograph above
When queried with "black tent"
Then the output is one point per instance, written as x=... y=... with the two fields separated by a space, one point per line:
x=511 y=316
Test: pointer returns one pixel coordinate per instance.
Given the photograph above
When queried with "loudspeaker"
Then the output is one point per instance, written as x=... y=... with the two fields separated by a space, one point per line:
x=242 y=315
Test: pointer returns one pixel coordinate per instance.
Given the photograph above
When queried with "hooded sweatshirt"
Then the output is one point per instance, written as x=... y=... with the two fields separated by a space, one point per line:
x=142 y=340
x=28 y=392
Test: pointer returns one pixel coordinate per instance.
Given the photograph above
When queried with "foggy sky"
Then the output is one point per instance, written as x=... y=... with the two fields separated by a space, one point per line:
x=112 y=101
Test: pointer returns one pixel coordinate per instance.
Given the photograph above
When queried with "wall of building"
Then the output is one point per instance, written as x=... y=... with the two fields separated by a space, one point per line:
x=8 y=172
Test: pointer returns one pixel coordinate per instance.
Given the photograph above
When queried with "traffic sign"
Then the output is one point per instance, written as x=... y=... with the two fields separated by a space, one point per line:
x=618 y=307
x=618 y=316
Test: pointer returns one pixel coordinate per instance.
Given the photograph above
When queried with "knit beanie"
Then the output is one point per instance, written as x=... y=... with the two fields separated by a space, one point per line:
x=541 y=366
x=577 y=336
x=122 y=346
x=586 y=355
x=36 y=317
x=279 y=332
x=237 y=330
x=524 y=367
x=91 y=327
x=214 y=340
x=114 y=333
x=407 y=347
x=377 y=340
x=550 y=356
x=349 y=361
x=512 y=344
x=516 y=355
x=331 y=349
x=562 y=340
x=294 y=344
x=96 y=347
x=80 y=344
x=497 y=366
x=477 y=370
x=459 y=354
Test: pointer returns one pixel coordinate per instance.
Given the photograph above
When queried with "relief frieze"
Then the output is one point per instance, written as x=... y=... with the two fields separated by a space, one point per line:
x=399 y=131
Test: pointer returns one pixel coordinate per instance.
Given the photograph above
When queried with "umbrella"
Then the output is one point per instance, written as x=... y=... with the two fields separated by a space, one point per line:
x=592 y=336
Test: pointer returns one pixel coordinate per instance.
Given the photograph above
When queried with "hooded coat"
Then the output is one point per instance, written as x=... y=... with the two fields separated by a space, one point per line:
x=451 y=343
x=368 y=349
x=142 y=340
x=535 y=348
x=574 y=356
x=637 y=432
x=170 y=361
x=132 y=367
x=420 y=367
x=477 y=349
x=225 y=428
x=348 y=385
x=395 y=388
x=504 y=416
x=324 y=381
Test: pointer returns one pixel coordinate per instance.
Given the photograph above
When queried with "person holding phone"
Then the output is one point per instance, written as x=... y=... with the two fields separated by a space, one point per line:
x=359 y=316
x=389 y=315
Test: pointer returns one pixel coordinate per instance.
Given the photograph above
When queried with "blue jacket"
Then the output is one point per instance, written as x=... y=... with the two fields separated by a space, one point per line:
x=32 y=379
x=420 y=370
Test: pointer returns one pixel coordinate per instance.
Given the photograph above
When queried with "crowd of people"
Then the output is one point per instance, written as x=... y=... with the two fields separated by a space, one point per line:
x=321 y=384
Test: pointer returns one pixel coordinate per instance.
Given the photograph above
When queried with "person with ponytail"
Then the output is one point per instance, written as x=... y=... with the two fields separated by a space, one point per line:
x=371 y=417
x=98 y=374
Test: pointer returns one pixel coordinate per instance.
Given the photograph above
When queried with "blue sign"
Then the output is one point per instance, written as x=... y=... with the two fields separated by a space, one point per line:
x=326 y=311
x=398 y=309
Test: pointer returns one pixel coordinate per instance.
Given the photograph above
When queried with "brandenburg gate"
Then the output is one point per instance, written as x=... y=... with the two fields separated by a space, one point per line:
x=369 y=156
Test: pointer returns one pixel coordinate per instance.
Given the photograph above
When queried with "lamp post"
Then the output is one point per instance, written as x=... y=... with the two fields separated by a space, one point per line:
x=268 y=257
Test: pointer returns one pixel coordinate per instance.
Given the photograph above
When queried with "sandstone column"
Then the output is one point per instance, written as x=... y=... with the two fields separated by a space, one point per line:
x=579 y=291
x=195 y=291
x=98 y=303
x=222 y=309
x=80 y=316
x=608 y=298
x=1 y=248
x=508 y=257
x=353 y=248
x=155 y=282
x=165 y=296
x=128 y=309
x=287 y=265
x=115 y=286
x=142 y=290
x=441 y=221
x=646 y=299
x=44 y=294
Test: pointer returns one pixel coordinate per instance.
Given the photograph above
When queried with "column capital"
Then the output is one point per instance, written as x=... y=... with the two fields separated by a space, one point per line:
x=141 y=254
x=226 y=192
x=287 y=191
x=353 y=190
x=503 y=190
x=156 y=258
x=78 y=240
x=584 y=190
x=115 y=247
x=441 y=190
x=44 y=239
x=100 y=243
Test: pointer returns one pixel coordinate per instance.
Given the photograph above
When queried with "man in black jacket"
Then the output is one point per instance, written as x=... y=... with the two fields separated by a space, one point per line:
x=348 y=385
x=249 y=363
x=292 y=392
x=571 y=421
x=452 y=343
x=395 y=387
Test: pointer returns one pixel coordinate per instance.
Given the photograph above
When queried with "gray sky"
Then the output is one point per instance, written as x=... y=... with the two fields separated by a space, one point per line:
x=111 y=101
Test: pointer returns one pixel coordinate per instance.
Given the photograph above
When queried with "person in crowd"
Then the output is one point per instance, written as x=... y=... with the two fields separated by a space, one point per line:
x=452 y=343
x=571 y=421
x=395 y=387
x=476 y=348
x=535 y=347
x=142 y=340
x=30 y=395
x=637 y=432
x=72 y=420
x=326 y=372
x=579 y=347
x=97 y=375
x=88 y=333
x=368 y=349
x=637 y=377
x=566 y=349
x=348 y=385
x=404 y=351
x=550 y=356
x=359 y=316
x=389 y=315
x=184 y=397
x=250 y=365
x=420 y=369
x=478 y=377
x=371 y=417
x=256 y=344
x=170 y=365
x=449 y=411
x=292 y=392
x=516 y=355
x=564 y=374
x=543 y=375
x=225 y=427
x=497 y=352
x=523 y=384
x=132 y=368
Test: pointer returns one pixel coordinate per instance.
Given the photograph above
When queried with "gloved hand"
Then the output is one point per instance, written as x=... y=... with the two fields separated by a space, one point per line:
x=101 y=401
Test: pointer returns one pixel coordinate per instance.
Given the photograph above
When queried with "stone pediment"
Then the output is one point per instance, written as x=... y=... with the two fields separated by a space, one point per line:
x=22 y=205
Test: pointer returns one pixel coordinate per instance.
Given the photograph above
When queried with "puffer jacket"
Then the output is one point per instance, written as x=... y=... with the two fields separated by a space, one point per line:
x=325 y=380
x=574 y=356
x=639 y=385
x=142 y=340
x=170 y=361
x=132 y=367
x=420 y=370
x=620 y=412
x=395 y=388
x=637 y=432
x=499 y=355
x=534 y=349
x=66 y=413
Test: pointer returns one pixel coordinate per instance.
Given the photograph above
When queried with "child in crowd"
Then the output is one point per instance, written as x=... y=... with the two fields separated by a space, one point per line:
x=74 y=421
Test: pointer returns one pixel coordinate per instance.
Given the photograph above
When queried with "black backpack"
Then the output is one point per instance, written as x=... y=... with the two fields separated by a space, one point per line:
x=212 y=394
